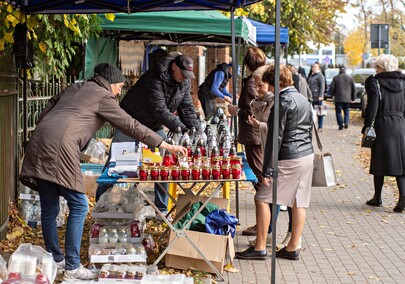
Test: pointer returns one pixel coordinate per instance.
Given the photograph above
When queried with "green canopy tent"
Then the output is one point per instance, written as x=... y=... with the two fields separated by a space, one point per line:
x=208 y=28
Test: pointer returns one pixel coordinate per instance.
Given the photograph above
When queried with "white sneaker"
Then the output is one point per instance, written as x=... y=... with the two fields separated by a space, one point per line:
x=283 y=208
x=268 y=241
x=80 y=273
x=286 y=240
x=60 y=266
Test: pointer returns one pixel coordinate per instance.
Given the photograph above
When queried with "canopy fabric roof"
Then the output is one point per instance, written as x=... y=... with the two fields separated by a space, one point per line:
x=177 y=27
x=125 y=6
x=266 y=34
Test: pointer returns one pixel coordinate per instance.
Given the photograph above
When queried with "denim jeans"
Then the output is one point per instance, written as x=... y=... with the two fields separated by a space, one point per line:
x=346 y=110
x=161 y=198
x=77 y=202
x=320 y=117
x=271 y=211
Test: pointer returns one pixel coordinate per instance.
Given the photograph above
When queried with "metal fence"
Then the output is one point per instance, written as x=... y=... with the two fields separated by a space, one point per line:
x=38 y=94
x=8 y=138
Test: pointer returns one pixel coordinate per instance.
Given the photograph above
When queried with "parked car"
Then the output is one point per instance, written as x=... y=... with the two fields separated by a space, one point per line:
x=359 y=77
x=329 y=74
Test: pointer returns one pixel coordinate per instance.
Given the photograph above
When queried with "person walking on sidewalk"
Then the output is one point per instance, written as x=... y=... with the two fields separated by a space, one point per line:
x=52 y=160
x=295 y=166
x=316 y=82
x=385 y=109
x=343 y=90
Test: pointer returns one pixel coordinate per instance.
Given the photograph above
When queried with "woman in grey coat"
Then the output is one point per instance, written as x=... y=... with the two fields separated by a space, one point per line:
x=52 y=160
x=386 y=109
x=316 y=82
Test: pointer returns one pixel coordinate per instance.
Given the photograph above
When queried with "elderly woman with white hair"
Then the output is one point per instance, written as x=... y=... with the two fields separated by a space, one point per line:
x=385 y=109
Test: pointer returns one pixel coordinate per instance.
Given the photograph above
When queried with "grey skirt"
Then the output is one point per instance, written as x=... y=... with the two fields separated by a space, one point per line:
x=293 y=183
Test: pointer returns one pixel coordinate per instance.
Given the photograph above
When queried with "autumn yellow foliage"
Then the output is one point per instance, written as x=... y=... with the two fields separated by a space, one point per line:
x=355 y=46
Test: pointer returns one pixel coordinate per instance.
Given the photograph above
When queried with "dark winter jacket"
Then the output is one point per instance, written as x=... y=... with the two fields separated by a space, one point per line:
x=316 y=83
x=295 y=129
x=67 y=124
x=248 y=135
x=388 y=154
x=156 y=98
x=342 y=88
x=205 y=88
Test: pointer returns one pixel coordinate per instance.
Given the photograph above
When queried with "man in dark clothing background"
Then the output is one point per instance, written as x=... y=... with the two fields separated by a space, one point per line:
x=213 y=87
x=161 y=97
x=343 y=90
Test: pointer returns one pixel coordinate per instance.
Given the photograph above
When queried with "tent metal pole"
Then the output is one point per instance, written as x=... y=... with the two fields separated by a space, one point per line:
x=236 y=183
x=234 y=86
x=275 y=139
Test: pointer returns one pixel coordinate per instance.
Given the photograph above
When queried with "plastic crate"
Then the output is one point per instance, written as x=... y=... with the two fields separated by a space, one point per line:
x=95 y=168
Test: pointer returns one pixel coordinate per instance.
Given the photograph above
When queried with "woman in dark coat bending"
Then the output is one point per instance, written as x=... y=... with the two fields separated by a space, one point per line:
x=386 y=107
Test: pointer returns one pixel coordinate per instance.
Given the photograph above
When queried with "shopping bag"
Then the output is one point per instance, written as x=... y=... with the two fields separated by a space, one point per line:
x=368 y=138
x=321 y=110
x=324 y=171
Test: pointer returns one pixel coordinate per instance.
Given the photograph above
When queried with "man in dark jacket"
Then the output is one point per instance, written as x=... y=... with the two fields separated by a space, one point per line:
x=161 y=97
x=213 y=87
x=343 y=90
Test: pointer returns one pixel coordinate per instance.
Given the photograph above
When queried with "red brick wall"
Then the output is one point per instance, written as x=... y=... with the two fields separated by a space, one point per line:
x=214 y=56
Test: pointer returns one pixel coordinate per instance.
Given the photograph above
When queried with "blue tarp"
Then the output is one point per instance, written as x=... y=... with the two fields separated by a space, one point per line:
x=266 y=34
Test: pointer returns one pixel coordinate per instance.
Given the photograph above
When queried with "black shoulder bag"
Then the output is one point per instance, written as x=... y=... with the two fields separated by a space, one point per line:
x=369 y=135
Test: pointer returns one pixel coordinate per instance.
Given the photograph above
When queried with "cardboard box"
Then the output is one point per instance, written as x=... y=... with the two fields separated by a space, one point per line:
x=182 y=254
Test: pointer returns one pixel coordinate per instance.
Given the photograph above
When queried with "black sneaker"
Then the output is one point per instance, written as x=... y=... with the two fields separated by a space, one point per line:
x=346 y=126
x=251 y=253
x=291 y=255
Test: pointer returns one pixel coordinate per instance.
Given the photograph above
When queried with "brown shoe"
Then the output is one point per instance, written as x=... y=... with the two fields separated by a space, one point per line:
x=250 y=231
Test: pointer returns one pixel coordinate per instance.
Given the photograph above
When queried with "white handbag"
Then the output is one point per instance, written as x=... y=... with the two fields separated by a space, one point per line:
x=324 y=174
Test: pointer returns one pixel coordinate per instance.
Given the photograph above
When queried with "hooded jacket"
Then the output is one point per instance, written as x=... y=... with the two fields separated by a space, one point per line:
x=65 y=127
x=386 y=105
x=157 y=100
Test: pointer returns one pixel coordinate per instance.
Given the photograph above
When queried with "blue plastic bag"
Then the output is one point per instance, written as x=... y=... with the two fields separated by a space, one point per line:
x=219 y=222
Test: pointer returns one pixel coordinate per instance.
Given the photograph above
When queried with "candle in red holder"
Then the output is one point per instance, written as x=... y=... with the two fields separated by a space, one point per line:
x=154 y=173
x=236 y=160
x=143 y=172
x=216 y=160
x=216 y=172
x=195 y=172
x=164 y=173
x=168 y=159
x=206 y=172
x=185 y=173
x=206 y=161
x=226 y=160
x=226 y=171
x=175 y=172
x=236 y=171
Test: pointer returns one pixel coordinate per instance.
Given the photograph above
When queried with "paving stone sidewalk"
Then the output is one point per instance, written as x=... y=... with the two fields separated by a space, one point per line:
x=344 y=241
